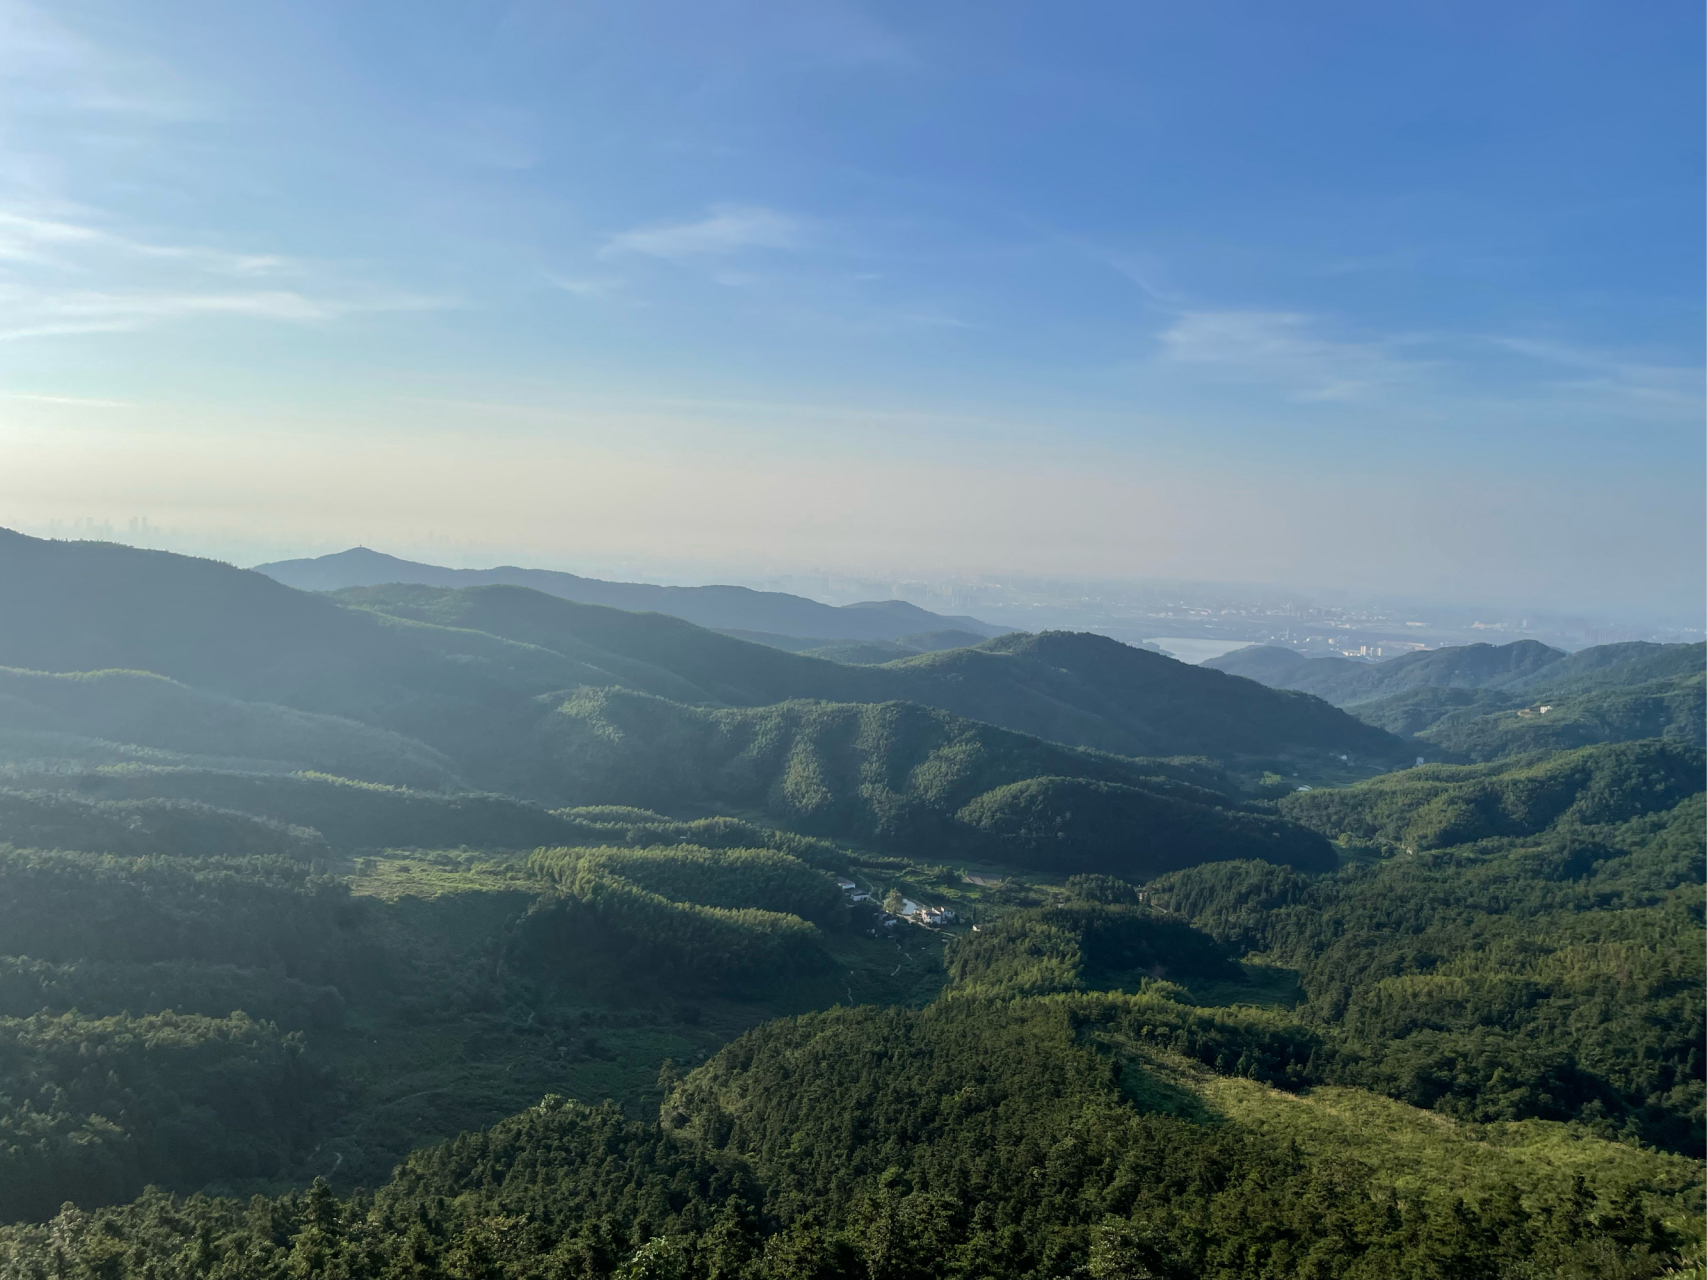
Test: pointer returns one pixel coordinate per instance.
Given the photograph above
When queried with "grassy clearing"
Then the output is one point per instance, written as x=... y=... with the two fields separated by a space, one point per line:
x=1415 y=1152
x=429 y=874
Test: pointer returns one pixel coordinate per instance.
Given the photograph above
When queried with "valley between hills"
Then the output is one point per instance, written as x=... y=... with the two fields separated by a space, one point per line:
x=459 y=928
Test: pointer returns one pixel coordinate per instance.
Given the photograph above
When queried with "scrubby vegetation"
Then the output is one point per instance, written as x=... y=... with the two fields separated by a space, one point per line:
x=968 y=1139
x=308 y=977
x=1538 y=955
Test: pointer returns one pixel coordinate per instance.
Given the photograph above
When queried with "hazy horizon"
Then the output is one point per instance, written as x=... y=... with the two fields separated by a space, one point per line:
x=941 y=590
x=1328 y=300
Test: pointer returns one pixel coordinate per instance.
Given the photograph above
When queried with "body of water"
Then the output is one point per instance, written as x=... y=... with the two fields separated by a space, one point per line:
x=1187 y=649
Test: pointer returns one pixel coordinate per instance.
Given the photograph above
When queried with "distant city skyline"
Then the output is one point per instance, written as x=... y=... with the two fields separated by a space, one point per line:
x=1401 y=299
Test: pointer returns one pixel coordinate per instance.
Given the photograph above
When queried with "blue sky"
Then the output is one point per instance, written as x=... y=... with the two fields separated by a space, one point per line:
x=1401 y=295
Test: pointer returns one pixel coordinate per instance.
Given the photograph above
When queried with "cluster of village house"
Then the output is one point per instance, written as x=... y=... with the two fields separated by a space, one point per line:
x=916 y=912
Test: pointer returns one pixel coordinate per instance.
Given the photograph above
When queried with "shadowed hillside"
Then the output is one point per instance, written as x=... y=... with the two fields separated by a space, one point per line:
x=62 y=715
x=920 y=782
x=458 y=670
x=1077 y=688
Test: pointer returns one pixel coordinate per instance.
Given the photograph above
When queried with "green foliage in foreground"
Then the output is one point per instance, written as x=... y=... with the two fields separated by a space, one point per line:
x=1554 y=974
x=970 y=1139
x=97 y=1107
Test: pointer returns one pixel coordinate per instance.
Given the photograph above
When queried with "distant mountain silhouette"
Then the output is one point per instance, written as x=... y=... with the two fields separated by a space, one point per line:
x=718 y=607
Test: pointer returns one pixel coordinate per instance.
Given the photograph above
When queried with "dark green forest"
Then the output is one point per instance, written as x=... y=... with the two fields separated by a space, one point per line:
x=466 y=934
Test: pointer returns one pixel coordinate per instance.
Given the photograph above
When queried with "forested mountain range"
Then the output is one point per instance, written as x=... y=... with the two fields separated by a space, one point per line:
x=1521 y=666
x=473 y=676
x=1475 y=1062
x=1482 y=702
x=720 y=608
x=480 y=934
x=1077 y=688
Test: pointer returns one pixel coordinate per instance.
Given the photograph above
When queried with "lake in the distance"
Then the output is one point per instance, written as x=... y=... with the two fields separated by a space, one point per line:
x=1187 y=649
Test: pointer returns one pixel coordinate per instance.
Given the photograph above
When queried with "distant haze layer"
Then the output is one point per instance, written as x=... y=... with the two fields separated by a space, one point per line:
x=562 y=498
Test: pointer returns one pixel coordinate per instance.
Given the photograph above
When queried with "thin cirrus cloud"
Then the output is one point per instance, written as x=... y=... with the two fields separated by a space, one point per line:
x=1286 y=350
x=46 y=241
x=34 y=314
x=726 y=229
x=1601 y=373
x=1291 y=355
x=46 y=262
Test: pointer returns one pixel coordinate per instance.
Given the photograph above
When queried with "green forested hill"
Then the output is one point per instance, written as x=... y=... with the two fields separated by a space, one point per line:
x=895 y=778
x=1081 y=689
x=297 y=888
x=1482 y=702
x=1093 y=691
x=140 y=826
x=459 y=671
x=1441 y=805
x=63 y=716
x=1345 y=680
x=972 y=1138
x=1673 y=707
x=1531 y=944
x=1614 y=666
x=1495 y=1045
x=924 y=783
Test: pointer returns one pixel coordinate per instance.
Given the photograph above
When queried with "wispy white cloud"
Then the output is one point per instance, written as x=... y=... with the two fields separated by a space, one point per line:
x=47 y=258
x=1147 y=272
x=1605 y=373
x=45 y=240
x=67 y=268
x=1287 y=350
x=39 y=314
x=726 y=229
